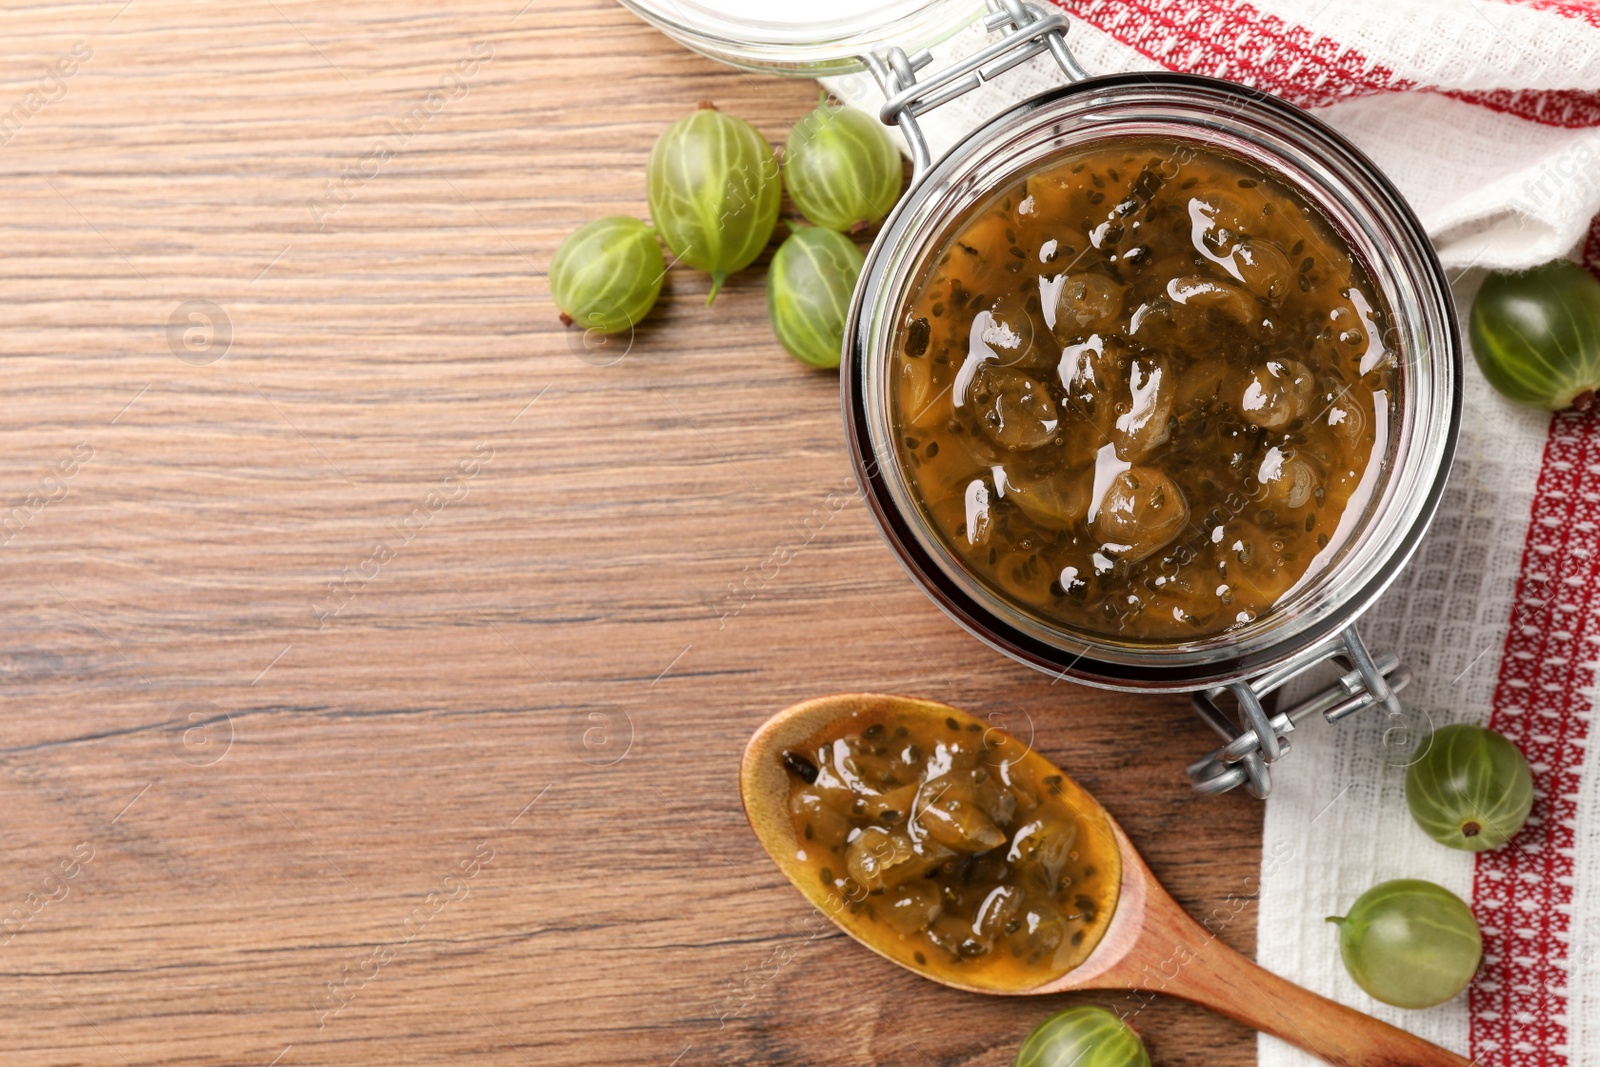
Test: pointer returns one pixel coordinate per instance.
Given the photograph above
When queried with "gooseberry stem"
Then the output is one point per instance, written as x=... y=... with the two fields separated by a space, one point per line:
x=1337 y=920
x=716 y=286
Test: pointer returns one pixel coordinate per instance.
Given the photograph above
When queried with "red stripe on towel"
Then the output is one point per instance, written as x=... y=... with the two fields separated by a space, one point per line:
x=1582 y=10
x=1522 y=893
x=1228 y=39
x=1231 y=39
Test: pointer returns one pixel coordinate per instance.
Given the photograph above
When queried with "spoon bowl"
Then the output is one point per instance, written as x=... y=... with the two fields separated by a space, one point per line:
x=1150 y=945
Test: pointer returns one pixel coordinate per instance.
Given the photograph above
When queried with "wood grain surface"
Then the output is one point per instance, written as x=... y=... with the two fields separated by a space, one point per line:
x=377 y=659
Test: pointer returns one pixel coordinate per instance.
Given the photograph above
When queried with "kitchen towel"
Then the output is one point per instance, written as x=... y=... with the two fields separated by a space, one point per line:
x=1487 y=116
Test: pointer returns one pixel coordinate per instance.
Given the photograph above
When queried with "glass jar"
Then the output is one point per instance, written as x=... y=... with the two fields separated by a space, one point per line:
x=1381 y=527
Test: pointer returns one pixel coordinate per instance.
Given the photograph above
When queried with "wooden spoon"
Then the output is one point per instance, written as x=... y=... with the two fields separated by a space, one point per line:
x=1151 y=944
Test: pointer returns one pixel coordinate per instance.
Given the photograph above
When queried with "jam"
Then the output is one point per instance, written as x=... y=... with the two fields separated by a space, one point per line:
x=1140 y=394
x=953 y=848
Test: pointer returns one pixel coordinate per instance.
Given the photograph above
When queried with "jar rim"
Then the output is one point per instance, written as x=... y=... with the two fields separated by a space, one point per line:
x=811 y=48
x=1430 y=367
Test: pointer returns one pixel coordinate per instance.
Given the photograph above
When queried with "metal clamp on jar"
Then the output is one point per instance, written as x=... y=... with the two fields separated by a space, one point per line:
x=1416 y=428
x=1258 y=739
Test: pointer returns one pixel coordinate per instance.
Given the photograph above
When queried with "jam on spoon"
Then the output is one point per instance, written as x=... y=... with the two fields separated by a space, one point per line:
x=952 y=847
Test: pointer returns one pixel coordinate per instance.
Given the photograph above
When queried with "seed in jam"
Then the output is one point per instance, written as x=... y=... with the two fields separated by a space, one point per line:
x=955 y=848
x=1151 y=430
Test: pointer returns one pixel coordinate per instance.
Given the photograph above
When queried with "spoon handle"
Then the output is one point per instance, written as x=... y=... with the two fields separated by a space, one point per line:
x=1215 y=976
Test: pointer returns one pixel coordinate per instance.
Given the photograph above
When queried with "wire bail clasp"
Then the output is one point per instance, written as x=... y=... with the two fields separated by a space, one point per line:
x=1257 y=740
x=1032 y=31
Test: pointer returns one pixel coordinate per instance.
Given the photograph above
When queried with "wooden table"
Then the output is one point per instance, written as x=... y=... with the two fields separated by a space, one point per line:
x=377 y=659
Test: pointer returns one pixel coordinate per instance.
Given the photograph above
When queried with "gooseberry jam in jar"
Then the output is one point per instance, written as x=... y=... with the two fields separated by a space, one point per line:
x=1137 y=392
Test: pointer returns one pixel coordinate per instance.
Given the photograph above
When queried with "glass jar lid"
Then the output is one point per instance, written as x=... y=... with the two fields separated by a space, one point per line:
x=804 y=38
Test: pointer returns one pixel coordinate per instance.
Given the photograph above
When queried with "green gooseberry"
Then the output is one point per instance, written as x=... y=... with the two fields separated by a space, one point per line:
x=809 y=287
x=714 y=189
x=841 y=168
x=1410 y=943
x=1470 y=789
x=1536 y=334
x=1083 y=1036
x=607 y=274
